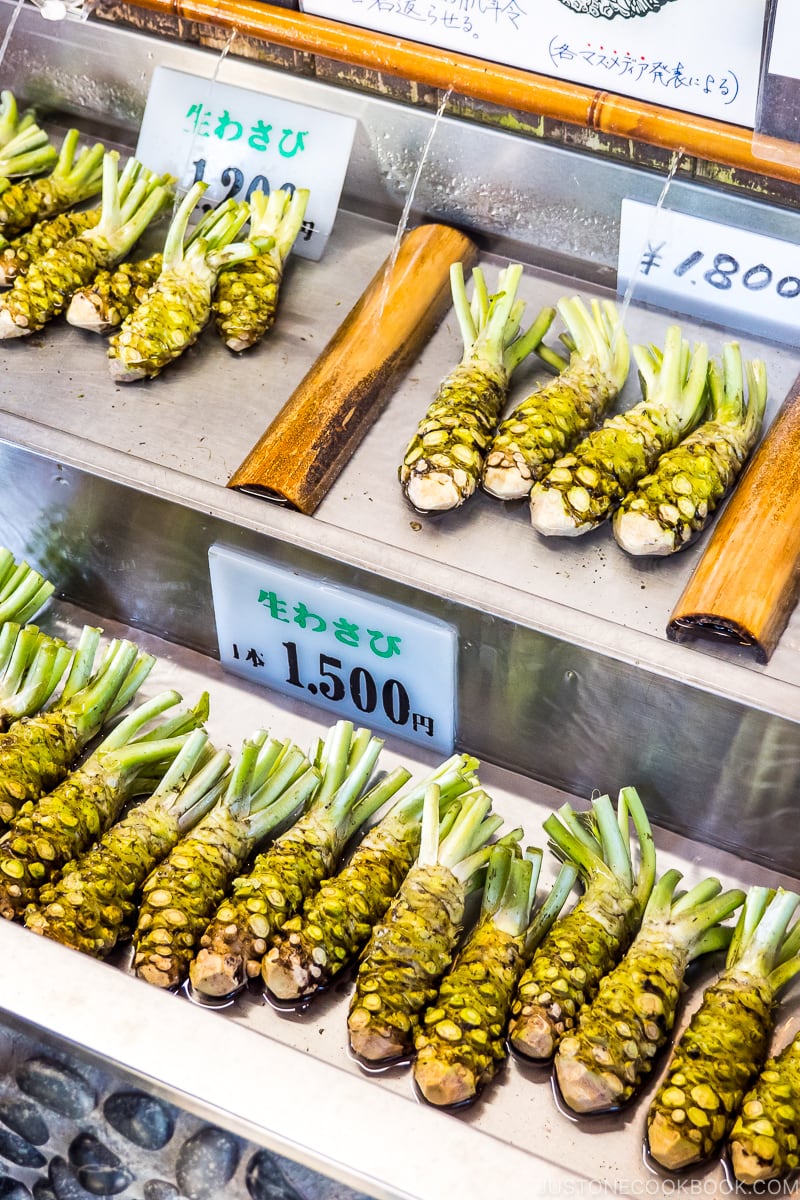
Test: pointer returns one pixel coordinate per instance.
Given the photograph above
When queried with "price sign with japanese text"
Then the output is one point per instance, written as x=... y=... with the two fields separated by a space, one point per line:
x=733 y=277
x=238 y=141
x=374 y=662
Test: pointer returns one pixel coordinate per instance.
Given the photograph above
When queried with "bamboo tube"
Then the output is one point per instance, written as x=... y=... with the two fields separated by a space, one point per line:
x=315 y=433
x=507 y=87
x=746 y=583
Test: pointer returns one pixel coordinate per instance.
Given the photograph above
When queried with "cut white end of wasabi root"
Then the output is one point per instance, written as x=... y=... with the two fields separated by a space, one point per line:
x=549 y=516
x=638 y=533
x=506 y=479
x=9 y=327
x=435 y=492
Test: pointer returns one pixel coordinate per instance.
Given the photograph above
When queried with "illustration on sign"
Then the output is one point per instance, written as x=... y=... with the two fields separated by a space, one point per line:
x=332 y=646
x=700 y=57
x=615 y=8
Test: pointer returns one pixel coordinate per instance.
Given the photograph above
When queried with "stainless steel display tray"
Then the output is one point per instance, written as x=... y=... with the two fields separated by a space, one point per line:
x=287 y=1080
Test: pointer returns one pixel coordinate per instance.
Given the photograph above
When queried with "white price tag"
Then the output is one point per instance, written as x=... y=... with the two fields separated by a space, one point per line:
x=730 y=276
x=372 y=661
x=237 y=141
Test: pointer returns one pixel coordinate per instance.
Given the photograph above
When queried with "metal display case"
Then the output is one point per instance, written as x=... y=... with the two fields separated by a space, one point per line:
x=566 y=681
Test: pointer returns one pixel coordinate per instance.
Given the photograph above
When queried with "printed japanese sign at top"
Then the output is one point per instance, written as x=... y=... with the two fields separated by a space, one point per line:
x=374 y=662
x=238 y=140
x=700 y=56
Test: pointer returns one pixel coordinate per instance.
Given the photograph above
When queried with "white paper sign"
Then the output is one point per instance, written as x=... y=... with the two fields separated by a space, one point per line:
x=727 y=275
x=700 y=56
x=784 y=58
x=374 y=662
x=239 y=140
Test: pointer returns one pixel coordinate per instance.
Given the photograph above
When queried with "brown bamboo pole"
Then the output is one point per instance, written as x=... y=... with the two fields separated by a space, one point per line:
x=315 y=433
x=507 y=87
x=747 y=582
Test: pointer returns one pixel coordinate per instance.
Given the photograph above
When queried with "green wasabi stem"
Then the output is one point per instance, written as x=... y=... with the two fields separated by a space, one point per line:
x=45 y=835
x=672 y=505
x=413 y=946
x=443 y=462
x=92 y=906
x=765 y=1139
x=270 y=782
x=246 y=298
x=75 y=177
x=23 y=590
x=31 y=668
x=10 y=124
x=44 y=292
x=335 y=923
x=587 y=942
x=550 y=420
x=722 y=1051
x=28 y=153
x=584 y=487
x=462 y=1041
x=605 y=1060
x=280 y=879
x=176 y=309
x=37 y=752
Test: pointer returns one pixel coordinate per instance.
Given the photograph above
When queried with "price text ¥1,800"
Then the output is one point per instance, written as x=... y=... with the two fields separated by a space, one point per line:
x=723 y=270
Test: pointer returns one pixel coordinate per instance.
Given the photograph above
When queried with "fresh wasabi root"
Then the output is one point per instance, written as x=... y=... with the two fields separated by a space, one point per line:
x=17 y=257
x=584 y=487
x=602 y=1064
x=177 y=307
x=114 y=295
x=45 y=290
x=292 y=868
x=92 y=905
x=46 y=835
x=37 y=752
x=461 y=1044
x=765 y=1139
x=246 y=297
x=335 y=923
x=410 y=950
x=442 y=465
x=75 y=177
x=548 y=422
x=672 y=505
x=587 y=942
x=721 y=1052
x=270 y=781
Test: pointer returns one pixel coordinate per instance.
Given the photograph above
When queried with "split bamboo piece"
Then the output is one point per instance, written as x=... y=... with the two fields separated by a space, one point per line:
x=302 y=452
x=747 y=582
x=496 y=83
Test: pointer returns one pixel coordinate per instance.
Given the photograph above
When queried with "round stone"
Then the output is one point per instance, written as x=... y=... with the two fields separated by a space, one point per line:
x=25 y=1119
x=65 y=1182
x=57 y=1087
x=12 y=1189
x=43 y=1191
x=207 y=1161
x=16 y=1150
x=98 y=1169
x=266 y=1181
x=142 y=1119
x=159 y=1189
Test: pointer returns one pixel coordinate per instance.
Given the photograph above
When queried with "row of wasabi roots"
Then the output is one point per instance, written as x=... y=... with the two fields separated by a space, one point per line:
x=657 y=471
x=236 y=870
x=57 y=257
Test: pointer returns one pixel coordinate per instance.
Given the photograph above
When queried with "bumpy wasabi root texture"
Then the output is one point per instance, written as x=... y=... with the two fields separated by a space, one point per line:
x=551 y=419
x=765 y=1139
x=76 y=176
x=282 y=876
x=587 y=942
x=246 y=298
x=45 y=290
x=669 y=507
x=92 y=904
x=461 y=1044
x=442 y=465
x=413 y=946
x=336 y=922
x=723 y=1049
x=268 y=784
x=602 y=1063
x=584 y=487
